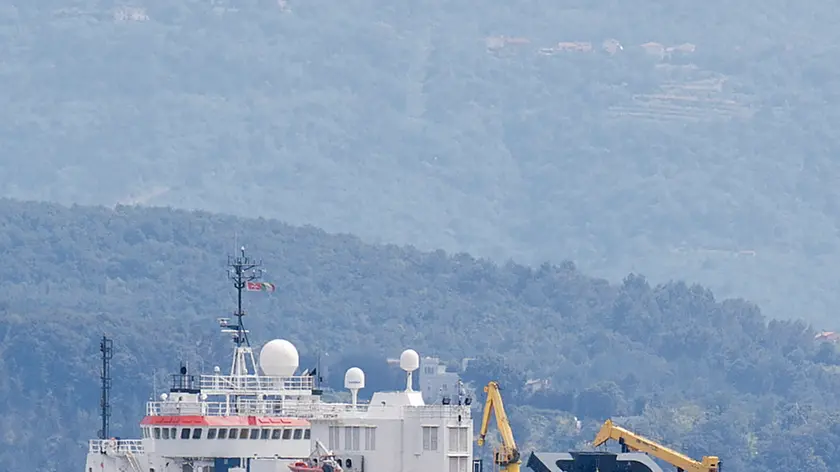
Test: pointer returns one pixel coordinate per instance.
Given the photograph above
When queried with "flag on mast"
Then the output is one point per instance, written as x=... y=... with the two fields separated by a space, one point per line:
x=259 y=287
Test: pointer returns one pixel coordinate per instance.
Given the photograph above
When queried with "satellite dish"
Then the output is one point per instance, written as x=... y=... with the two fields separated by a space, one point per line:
x=279 y=358
x=354 y=380
x=409 y=362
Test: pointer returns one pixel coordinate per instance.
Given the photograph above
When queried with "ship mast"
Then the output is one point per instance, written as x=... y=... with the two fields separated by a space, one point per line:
x=242 y=271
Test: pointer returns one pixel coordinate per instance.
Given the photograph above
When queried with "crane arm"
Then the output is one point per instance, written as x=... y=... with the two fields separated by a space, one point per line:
x=509 y=455
x=638 y=443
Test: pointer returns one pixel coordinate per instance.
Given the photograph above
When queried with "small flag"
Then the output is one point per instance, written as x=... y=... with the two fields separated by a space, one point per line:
x=259 y=286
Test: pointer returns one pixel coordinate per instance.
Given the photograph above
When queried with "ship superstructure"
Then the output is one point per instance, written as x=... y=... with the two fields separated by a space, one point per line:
x=267 y=418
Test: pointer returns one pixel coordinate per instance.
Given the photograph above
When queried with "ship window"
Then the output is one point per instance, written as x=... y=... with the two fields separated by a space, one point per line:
x=370 y=439
x=197 y=433
x=458 y=464
x=185 y=433
x=172 y=433
x=430 y=438
x=243 y=433
x=233 y=434
x=264 y=433
x=255 y=433
x=349 y=463
x=222 y=433
x=211 y=433
x=157 y=433
x=165 y=433
x=335 y=435
x=306 y=433
x=298 y=433
x=287 y=434
x=276 y=433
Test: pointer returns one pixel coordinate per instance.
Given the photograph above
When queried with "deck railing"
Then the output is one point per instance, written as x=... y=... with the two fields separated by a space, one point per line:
x=116 y=446
x=290 y=408
x=250 y=407
x=253 y=384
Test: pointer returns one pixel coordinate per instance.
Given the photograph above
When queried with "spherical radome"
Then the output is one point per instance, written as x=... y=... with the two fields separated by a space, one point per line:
x=279 y=358
x=354 y=378
x=409 y=360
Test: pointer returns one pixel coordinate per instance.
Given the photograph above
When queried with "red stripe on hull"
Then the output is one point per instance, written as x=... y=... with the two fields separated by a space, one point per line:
x=266 y=421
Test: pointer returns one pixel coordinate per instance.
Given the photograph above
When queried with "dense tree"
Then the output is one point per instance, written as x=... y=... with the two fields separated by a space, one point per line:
x=670 y=360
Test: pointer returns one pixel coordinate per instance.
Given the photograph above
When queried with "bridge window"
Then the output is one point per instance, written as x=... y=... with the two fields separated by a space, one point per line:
x=243 y=433
x=264 y=433
x=276 y=433
x=165 y=433
x=211 y=433
x=298 y=434
x=222 y=433
x=197 y=433
x=306 y=433
x=157 y=433
x=255 y=433
x=287 y=434
x=185 y=433
x=172 y=433
x=430 y=438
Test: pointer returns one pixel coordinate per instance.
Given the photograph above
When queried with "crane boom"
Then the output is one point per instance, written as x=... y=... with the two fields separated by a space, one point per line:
x=508 y=456
x=631 y=440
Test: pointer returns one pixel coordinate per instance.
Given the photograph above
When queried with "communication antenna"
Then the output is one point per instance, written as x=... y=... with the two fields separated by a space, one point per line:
x=106 y=347
x=243 y=269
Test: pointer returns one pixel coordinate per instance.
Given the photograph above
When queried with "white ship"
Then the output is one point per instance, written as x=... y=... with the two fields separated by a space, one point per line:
x=268 y=418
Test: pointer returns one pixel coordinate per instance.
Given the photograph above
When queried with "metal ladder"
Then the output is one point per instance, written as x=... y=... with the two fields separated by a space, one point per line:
x=133 y=461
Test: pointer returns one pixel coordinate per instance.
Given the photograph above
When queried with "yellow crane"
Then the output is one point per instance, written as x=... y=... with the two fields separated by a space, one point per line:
x=632 y=441
x=506 y=457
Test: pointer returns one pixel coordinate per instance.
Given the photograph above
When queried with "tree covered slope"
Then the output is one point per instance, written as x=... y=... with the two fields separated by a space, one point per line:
x=704 y=375
x=454 y=125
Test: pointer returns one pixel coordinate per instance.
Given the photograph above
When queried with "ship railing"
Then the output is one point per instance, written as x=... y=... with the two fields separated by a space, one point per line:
x=250 y=407
x=217 y=384
x=439 y=411
x=116 y=446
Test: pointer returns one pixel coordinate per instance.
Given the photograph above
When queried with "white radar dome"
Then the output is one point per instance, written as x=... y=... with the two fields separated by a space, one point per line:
x=279 y=358
x=354 y=378
x=409 y=360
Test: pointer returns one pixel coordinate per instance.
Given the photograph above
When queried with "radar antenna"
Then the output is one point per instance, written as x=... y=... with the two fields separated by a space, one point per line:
x=243 y=271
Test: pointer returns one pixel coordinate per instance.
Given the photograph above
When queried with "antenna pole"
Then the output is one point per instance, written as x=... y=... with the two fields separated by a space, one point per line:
x=106 y=347
x=243 y=269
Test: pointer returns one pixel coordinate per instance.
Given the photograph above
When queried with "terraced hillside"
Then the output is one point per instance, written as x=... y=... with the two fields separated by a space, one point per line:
x=395 y=123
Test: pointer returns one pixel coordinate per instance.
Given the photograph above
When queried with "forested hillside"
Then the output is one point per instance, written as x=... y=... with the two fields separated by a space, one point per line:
x=705 y=375
x=680 y=139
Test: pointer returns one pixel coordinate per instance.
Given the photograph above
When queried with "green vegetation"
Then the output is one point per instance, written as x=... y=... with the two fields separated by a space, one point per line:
x=403 y=123
x=706 y=376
